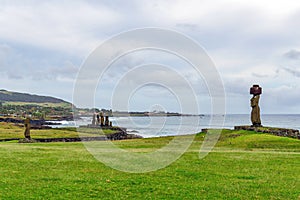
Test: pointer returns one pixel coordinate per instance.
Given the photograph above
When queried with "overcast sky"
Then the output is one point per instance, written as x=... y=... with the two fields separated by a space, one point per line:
x=44 y=43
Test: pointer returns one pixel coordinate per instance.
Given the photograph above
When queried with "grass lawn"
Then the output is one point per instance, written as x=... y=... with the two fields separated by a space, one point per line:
x=243 y=165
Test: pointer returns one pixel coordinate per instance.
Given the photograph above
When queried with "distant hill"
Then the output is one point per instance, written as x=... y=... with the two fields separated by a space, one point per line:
x=16 y=98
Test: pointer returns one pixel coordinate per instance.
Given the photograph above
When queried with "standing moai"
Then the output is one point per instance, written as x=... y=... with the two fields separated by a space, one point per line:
x=94 y=120
x=101 y=119
x=255 y=113
x=98 y=120
x=27 y=128
x=106 y=121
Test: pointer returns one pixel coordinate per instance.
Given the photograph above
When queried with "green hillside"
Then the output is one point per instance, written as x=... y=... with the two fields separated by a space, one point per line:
x=17 y=98
x=41 y=107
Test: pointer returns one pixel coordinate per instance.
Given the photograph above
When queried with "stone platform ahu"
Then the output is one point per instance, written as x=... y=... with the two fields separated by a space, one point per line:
x=285 y=132
x=256 y=126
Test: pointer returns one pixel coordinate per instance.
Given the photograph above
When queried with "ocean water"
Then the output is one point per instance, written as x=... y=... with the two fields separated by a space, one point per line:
x=164 y=126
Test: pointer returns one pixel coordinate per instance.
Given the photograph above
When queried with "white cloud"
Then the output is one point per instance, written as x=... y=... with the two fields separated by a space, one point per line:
x=63 y=26
x=250 y=42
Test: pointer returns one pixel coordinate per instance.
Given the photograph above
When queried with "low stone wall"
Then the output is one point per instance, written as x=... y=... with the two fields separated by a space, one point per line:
x=284 y=132
x=9 y=139
x=115 y=136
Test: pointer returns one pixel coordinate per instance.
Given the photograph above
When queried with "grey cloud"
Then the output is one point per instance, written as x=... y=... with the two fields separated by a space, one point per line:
x=284 y=95
x=294 y=72
x=5 y=52
x=260 y=75
x=8 y=64
x=236 y=86
x=67 y=70
x=188 y=26
x=293 y=54
x=120 y=67
x=38 y=75
x=277 y=73
x=14 y=75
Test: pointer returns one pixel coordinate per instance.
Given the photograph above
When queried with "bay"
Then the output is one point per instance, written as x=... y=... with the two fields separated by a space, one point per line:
x=164 y=126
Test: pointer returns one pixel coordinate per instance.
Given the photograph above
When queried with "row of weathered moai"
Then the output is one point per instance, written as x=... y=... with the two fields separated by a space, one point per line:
x=256 y=91
x=101 y=120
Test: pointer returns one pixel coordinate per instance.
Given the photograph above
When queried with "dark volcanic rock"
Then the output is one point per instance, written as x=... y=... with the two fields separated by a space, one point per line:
x=33 y=123
x=114 y=136
x=284 y=132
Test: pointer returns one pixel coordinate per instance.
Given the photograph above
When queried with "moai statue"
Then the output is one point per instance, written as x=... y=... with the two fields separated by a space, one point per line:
x=94 y=120
x=98 y=120
x=255 y=113
x=106 y=121
x=101 y=119
x=27 y=128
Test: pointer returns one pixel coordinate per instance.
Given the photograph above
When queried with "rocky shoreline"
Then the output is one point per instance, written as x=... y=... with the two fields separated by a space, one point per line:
x=35 y=124
x=283 y=132
x=32 y=122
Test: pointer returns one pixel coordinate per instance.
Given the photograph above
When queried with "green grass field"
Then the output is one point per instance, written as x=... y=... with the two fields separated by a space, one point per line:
x=9 y=130
x=243 y=165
